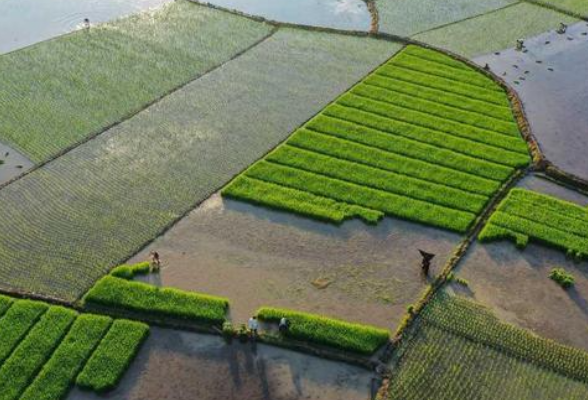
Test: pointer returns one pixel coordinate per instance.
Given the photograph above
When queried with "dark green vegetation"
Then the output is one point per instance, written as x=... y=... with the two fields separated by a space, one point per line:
x=424 y=137
x=112 y=357
x=152 y=301
x=525 y=215
x=459 y=349
x=100 y=203
x=110 y=72
x=328 y=331
x=43 y=348
x=562 y=277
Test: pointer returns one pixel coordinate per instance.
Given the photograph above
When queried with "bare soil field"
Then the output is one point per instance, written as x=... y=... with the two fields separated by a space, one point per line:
x=186 y=366
x=256 y=256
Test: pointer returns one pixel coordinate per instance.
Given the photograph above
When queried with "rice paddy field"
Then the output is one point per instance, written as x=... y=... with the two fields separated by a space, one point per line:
x=171 y=178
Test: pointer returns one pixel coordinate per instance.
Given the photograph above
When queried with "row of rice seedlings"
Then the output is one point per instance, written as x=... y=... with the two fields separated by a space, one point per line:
x=407 y=146
x=433 y=108
x=5 y=303
x=59 y=374
x=424 y=54
x=20 y=369
x=351 y=193
x=377 y=179
x=113 y=355
x=153 y=301
x=471 y=320
x=525 y=215
x=328 y=331
x=436 y=124
x=16 y=323
x=398 y=127
x=439 y=365
x=82 y=82
x=393 y=162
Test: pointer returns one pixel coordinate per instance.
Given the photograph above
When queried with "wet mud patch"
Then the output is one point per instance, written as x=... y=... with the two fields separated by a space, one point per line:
x=551 y=78
x=187 y=366
x=255 y=256
x=516 y=285
x=12 y=164
x=339 y=14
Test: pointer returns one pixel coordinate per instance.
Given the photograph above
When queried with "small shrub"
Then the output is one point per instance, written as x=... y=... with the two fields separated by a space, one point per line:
x=563 y=278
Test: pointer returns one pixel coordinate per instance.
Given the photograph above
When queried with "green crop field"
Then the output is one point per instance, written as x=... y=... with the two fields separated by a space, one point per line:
x=88 y=80
x=578 y=7
x=459 y=349
x=525 y=215
x=494 y=31
x=101 y=202
x=328 y=331
x=43 y=348
x=409 y=17
x=424 y=137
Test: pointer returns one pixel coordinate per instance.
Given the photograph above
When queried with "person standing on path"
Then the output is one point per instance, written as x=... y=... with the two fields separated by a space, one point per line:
x=253 y=326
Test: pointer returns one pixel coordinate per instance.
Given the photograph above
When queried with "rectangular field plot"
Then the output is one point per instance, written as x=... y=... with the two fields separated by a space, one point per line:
x=459 y=349
x=525 y=215
x=44 y=348
x=98 y=204
x=56 y=93
x=424 y=137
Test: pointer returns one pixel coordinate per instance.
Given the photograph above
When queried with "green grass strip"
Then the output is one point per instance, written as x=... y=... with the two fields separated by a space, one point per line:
x=331 y=332
x=154 y=301
x=475 y=322
x=408 y=146
x=130 y=271
x=434 y=56
x=33 y=352
x=287 y=199
x=16 y=323
x=392 y=162
x=59 y=374
x=377 y=179
x=351 y=193
x=113 y=356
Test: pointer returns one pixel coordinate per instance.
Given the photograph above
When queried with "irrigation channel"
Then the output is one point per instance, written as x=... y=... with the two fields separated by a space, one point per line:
x=25 y=22
x=550 y=77
x=187 y=366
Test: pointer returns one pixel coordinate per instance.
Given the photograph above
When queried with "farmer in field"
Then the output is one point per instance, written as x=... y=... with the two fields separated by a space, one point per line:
x=426 y=262
x=155 y=261
x=284 y=325
x=253 y=326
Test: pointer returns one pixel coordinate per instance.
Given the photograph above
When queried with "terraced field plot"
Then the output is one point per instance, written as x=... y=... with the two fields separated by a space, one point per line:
x=460 y=350
x=101 y=202
x=525 y=215
x=496 y=30
x=424 y=137
x=43 y=349
x=59 y=92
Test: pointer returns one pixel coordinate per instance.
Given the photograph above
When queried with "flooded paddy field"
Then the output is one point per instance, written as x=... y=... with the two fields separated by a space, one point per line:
x=187 y=366
x=340 y=14
x=25 y=22
x=255 y=256
x=552 y=80
x=516 y=285
x=12 y=163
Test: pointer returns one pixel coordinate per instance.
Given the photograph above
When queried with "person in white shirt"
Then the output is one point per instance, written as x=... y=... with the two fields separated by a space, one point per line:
x=253 y=325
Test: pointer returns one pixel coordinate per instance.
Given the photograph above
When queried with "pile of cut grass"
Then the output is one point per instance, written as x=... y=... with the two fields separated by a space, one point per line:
x=424 y=137
x=43 y=349
x=328 y=331
x=460 y=350
x=90 y=79
x=525 y=215
x=152 y=301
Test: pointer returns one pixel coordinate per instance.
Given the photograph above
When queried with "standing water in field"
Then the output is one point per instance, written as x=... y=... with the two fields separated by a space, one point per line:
x=25 y=22
x=12 y=163
x=340 y=14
